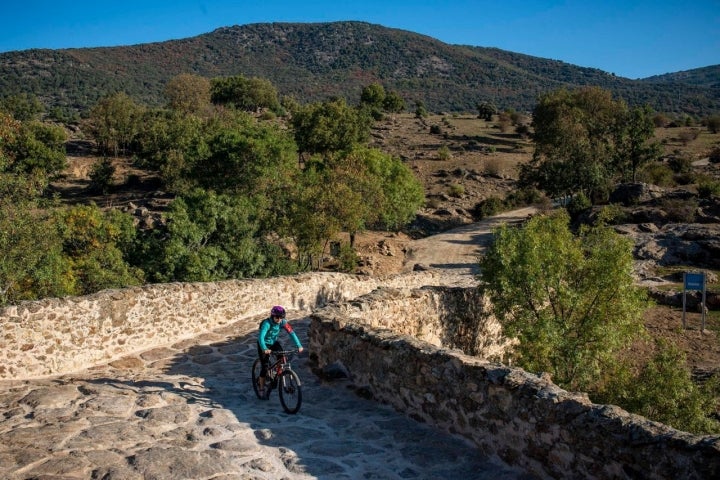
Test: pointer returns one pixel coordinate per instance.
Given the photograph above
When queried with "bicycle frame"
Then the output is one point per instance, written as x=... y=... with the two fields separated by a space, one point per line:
x=280 y=375
x=281 y=364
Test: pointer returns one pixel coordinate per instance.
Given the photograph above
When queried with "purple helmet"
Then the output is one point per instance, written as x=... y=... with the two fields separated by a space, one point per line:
x=277 y=311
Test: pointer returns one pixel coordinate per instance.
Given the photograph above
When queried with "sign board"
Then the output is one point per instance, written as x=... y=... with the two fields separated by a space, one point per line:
x=695 y=281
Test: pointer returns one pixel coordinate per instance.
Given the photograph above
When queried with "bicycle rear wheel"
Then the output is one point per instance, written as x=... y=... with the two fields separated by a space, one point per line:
x=256 y=369
x=290 y=391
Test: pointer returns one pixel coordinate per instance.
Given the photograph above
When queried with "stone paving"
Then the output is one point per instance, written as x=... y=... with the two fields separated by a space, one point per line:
x=189 y=412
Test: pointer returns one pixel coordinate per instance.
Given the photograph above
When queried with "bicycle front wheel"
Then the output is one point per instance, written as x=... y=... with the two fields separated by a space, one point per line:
x=256 y=369
x=290 y=391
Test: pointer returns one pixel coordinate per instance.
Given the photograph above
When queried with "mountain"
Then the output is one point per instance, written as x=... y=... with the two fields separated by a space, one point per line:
x=704 y=77
x=315 y=61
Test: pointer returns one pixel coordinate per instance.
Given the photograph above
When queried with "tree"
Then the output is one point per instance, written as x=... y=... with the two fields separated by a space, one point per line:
x=32 y=264
x=312 y=216
x=486 y=110
x=23 y=107
x=373 y=95
x=208 y=237
x=329 y=127
x=170 y=142
x=575 y=143
x=393 y=102
x=663 y=390
x=101 y=176
x=713 y=123
x=632 y=149
x=250 y=94
x=246 y=157
x=349 y=191
x=114 y=122
x=569 y=300
x=96 y=244
x=188 y=93
x=401 y=193
x=37 y=147
x=420 y=110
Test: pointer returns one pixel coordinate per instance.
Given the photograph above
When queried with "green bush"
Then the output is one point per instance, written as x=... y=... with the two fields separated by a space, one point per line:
x=680 y=164
x=663 y=391
x=347 y=258
x=578 y=204
x=489 y=207
x=444 y=153
x=656 y=173
x=101 y=176
x=525 y=196
x=612 y=214
x=456 y=190
x=707 y=187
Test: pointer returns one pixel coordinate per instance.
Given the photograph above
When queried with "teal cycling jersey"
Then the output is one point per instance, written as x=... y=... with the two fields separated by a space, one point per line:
x=269 y=332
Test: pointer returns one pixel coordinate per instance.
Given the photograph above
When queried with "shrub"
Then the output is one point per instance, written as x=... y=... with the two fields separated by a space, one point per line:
x=268 y=115
x=713 y=123
x=661 y=120
x=707 y=187
x=525 y=196
x=456 y=190
x=714 y=155
x=488 y=207
x=492 y=166
x=523 y=130
x=663 y=391
x=612 y=214
x=688 y=136
x=570 y=300
x=421 y=111
x=444 y=153
x=578 y=204
x=101 y=176
x=435 y=129
x=657 y=174
x=685 y=178
x=679 y=210
x=680 y=164
x=347 y=258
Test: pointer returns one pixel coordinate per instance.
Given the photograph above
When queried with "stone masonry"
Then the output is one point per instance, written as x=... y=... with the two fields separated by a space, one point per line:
x=522 y=418
x=58 y=336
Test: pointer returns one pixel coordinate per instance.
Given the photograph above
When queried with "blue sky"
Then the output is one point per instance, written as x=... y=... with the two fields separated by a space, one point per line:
x=630 y=38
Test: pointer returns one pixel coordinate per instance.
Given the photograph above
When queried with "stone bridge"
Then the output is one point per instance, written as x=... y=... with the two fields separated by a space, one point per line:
x=151 y=382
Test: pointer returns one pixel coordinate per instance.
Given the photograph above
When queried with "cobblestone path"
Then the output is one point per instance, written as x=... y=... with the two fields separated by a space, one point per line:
x=189 y=412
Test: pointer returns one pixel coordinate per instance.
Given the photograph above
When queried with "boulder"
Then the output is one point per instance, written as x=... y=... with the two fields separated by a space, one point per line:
x=635 y=193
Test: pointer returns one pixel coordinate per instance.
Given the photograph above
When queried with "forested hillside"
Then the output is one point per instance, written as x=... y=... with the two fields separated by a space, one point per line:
x=314 y=62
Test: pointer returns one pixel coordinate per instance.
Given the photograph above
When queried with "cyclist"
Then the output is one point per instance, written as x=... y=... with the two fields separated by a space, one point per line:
x=268 y=341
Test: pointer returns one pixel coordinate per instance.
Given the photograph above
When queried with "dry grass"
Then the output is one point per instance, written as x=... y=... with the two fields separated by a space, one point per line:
x=694 y=142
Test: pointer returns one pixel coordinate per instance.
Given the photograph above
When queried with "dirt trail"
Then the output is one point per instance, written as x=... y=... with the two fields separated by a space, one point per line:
x=457 y=250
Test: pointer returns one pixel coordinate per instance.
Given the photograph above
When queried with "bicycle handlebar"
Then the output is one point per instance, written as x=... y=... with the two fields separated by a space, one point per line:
x=283 y=352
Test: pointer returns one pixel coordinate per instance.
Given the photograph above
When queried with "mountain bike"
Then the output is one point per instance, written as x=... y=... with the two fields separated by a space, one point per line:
x=280 y=375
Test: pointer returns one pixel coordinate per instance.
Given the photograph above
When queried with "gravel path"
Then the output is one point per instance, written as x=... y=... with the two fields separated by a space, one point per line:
x=457 y=250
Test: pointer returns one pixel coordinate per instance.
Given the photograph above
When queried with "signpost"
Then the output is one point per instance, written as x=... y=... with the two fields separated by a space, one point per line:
x=694 y=281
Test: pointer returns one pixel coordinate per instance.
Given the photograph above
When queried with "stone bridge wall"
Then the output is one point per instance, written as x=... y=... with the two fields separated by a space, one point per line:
x=396 y=348
x=58 y=336
x=401 y=344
